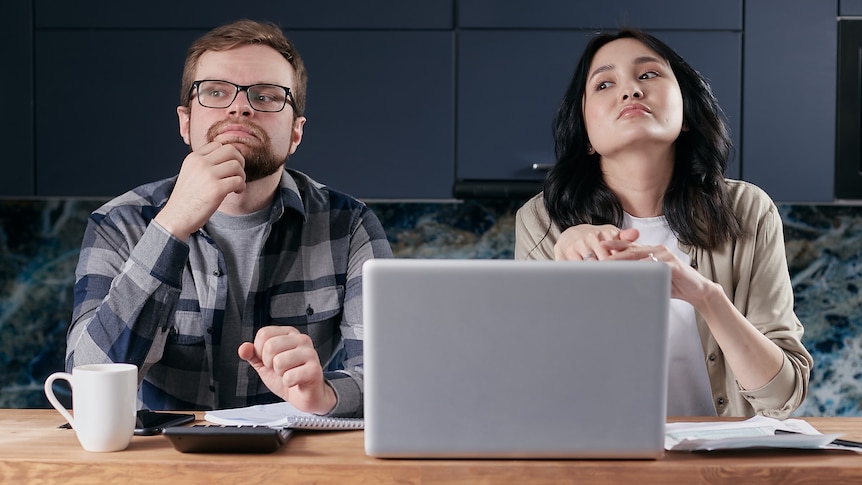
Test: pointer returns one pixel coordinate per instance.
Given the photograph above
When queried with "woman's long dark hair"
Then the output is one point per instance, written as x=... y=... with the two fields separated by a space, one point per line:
x=696 y=203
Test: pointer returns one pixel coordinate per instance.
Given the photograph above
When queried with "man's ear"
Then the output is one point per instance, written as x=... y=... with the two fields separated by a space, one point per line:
x=184 y=115
x=296 y=133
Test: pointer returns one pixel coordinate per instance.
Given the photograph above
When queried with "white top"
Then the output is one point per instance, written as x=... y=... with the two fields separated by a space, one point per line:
x=688 y=392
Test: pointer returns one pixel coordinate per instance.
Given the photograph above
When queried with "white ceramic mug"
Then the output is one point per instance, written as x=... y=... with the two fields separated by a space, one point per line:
x=104 y=402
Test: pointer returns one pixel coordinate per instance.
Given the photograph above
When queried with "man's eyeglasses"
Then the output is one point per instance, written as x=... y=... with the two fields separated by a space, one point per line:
x=269 y=98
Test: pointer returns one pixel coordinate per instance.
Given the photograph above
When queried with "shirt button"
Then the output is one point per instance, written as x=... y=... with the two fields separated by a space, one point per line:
x=721 y=401
x=209 y=330
x=216 y=273
x=712 y=357
x=694 y=264
x=309 y=311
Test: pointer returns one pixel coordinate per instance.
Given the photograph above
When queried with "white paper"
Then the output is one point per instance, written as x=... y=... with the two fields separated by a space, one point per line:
x=756 y=432
x=274 y=415
x=280 y=415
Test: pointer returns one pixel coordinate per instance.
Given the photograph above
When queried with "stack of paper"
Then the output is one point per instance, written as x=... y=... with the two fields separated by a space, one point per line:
x=757 y=432
x=279 y=415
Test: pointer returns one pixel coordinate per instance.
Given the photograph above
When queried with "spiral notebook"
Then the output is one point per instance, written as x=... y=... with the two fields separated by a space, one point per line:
x=515 y=359
x=280 y=415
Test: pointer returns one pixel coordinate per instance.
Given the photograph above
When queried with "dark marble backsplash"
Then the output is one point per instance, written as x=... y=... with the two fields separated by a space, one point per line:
x=40 y=239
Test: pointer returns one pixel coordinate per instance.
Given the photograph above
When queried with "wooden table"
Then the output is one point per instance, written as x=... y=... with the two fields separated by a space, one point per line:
x=34 y=450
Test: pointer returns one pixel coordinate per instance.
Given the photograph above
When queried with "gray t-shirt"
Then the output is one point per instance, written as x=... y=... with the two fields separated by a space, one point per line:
x=240 y=238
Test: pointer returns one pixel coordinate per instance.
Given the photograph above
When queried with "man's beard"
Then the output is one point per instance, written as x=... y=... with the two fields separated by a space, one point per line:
x=260 y=161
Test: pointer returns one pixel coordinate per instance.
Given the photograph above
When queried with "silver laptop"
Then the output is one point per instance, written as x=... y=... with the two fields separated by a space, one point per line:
x=515 y=359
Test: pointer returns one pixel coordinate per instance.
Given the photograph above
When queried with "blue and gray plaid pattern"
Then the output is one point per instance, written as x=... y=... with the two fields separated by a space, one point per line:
x=147 y=298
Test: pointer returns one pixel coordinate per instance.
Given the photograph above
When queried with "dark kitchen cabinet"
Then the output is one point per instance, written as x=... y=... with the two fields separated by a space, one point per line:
x=106 y=110
x=380 y=99
x=516 y=58
x=16 y=81
x=408 y=100
x=790 y=87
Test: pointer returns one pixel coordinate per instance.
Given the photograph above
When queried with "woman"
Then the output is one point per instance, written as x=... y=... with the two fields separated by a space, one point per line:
x=641 y=152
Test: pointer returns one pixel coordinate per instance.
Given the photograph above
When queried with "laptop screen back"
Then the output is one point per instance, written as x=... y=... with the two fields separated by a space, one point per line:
x=517 y=359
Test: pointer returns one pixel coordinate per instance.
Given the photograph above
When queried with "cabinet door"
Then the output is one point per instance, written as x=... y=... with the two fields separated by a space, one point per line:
x=849 y=7
x=287 y=14
x=568 y=14
x=380 y=109
x=510 y=84
x=16 y=81
x=106 y=117
x=790 y=86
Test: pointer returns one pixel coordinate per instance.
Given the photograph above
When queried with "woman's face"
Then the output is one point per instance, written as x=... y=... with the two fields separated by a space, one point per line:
x=632 y=99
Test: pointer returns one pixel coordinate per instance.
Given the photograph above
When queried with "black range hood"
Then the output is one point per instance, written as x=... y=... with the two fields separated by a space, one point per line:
x=497 y=189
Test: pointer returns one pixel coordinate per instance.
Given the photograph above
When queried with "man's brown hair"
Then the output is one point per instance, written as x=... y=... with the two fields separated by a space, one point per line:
x=245 y=32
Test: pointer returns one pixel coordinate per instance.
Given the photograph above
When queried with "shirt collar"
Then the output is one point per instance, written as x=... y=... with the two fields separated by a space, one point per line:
x=288 y=197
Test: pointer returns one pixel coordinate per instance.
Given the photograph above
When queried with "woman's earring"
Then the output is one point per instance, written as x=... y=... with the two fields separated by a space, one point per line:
x=590 y=150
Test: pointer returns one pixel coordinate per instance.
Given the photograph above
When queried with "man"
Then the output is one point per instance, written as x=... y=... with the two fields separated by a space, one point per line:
x=236 y=282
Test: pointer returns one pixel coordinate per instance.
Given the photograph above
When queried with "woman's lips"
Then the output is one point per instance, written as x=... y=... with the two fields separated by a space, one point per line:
x=633 y=109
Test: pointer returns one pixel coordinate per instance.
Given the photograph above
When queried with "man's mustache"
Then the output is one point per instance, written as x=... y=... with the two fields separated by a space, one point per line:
x=253 y=129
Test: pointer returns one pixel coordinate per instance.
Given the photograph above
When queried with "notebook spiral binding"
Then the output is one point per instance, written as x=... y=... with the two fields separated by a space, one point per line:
x=324 y=422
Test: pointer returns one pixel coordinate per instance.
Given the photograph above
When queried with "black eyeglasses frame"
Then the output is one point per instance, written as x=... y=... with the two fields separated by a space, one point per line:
x=288 y=98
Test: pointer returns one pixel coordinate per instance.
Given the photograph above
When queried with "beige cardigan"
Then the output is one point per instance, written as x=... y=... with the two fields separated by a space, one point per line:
x=753 y=273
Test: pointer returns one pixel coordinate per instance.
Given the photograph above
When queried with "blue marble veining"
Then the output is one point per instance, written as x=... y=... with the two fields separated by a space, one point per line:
x=467 y=230
x=824 y=249
x=40 y=240
x=39 y=245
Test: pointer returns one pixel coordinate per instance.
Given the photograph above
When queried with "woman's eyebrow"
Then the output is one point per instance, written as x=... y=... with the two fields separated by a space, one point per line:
x=601 y=69
x=645 y=59
x=637 y=60
x=611 y=67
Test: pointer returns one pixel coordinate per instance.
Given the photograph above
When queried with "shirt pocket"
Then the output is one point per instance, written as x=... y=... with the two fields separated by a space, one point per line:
x=186 y=345
x=301 y=309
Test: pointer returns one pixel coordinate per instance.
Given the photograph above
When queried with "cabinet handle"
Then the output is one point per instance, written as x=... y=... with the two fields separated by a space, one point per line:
x=543 y=166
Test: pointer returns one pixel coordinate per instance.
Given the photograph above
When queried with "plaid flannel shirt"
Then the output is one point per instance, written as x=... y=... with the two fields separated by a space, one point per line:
x=144 y=297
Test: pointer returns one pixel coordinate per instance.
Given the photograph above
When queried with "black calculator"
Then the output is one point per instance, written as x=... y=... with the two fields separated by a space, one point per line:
x=212 y=438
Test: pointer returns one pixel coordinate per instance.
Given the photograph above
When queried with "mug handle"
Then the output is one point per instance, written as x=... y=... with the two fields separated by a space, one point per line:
x=49 y=393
